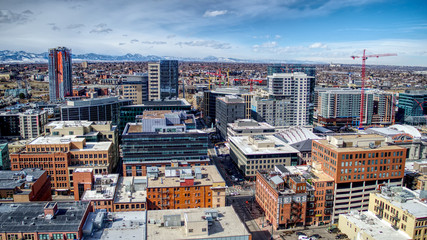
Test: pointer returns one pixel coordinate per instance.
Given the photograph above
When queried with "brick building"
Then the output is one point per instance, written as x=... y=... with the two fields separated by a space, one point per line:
x=59 y=156
x=26 y=185
x=185 y=187
x=358 y=163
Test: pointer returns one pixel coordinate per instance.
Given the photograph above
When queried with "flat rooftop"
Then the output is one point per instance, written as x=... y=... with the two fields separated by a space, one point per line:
x=29 y=217
x=131 y=189
x=378 y=229
x=104 y=187
x=249 y=124
x=180 y=102
x=66 y=124
x=94 y=146
x=56 y=140
x=249 y=149
x=13 y=179
x=125 y=225
x=210 y=175
x=415 y=207
x=230 y=224
x=364 y=138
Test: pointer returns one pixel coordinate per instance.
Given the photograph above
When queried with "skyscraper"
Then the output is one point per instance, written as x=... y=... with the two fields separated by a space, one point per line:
x=163 y=80
x=60 y=74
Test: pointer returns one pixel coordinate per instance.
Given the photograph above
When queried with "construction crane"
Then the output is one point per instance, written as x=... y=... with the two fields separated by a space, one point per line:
x=250 y=80
x=362 y=97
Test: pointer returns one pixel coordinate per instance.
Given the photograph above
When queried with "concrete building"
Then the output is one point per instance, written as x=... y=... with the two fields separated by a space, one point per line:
x=135 y=87
x=61 y=155
x=252 y=153
x=228 y=109
x=160 y=137
x=185 y=187
x=249 y=127
x=197 y=223
x=210 y=97
x=93 y=109
x=276 y=111
x=26 y=185
x=131 y=194
x=4 y=156
x=60 y=74
x=51 y=220
x=401 y=208
x=294 y=87
x=340 y=107
x=365 y=225
x=128 y=113
x=358 y=163
x=31 y=123
x=163 y=80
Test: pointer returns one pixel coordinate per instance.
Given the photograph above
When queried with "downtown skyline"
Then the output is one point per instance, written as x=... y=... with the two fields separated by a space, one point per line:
x=318 y=31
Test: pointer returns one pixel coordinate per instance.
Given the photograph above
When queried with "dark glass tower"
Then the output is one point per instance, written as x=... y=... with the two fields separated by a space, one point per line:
x=60 y=74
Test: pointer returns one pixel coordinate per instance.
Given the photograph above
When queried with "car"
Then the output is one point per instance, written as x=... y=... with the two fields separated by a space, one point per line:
x=316 y=236
x=300 y=233
x=303 y=237
x=341 y=236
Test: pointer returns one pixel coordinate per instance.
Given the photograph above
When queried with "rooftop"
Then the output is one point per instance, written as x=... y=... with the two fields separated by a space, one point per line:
x=228 y=224
x=29 y=217
x=65 y=124
x=375 y=227
x=209 y=175
x=179 y=102
x=249 y=124
x=56 y=140
x=125 y=225
x=104 y=187
x=13 y=179
x=248 y=148
x=131 y=189
x=404 y=199
x=357 y=142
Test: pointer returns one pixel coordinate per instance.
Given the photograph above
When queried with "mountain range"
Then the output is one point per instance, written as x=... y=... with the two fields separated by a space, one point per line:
x=7 y=56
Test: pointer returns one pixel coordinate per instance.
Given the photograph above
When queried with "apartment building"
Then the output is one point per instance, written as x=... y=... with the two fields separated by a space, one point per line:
x=163 y=80
x=339 y=107
x=288 y=182
x=31 y=123
x=358 y=163
x=401 y=208
x=228 y=109
x=26 y=185
x=160 y=137
x=60 y=156
x=60 y=74
x=135 y=87
x=259 y=152
x=283 y=198
x=185 y=187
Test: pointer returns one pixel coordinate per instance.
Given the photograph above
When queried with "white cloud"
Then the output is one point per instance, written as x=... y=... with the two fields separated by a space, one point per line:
x=317 y=45
x=101 y=28
x=153 y=42
x=205 y=43
x=215 y=13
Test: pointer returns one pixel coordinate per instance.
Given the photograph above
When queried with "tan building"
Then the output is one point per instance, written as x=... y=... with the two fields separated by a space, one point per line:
x=153 y=81
x=261 y=152
x=366 y=226
x=399 y=207
x=31 y=123
x=135 y=87
x=249 y=127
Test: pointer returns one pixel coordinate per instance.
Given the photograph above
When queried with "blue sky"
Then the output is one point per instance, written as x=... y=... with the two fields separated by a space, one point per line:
x=306 y=30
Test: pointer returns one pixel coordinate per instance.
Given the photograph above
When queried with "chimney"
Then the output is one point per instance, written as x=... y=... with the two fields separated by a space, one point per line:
x=50 y=209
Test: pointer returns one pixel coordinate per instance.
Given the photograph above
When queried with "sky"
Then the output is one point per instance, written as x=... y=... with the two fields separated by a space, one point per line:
x=281 y=30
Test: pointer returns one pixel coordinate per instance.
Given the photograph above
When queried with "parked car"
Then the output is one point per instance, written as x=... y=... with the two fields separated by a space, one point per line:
x=341 y=236
x=315 y=236
x=300 y=233
x=303 y=237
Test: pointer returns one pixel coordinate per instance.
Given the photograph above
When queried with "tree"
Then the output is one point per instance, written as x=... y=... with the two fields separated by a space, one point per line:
x=21 y=95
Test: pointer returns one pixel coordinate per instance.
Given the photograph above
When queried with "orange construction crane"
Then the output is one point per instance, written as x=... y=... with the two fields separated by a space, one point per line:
x=250 y=80
x=362 y=97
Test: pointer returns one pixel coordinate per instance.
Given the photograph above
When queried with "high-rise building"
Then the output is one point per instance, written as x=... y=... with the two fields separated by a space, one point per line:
x=60 y=74
x=228 y=109
x=338 y=107
x=163 y=80
x=358 y=163
x=135 y=87
x=32 y=123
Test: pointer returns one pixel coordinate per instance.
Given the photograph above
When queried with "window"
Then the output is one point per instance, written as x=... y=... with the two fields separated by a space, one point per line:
x=203 y=229
x=190 y=230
